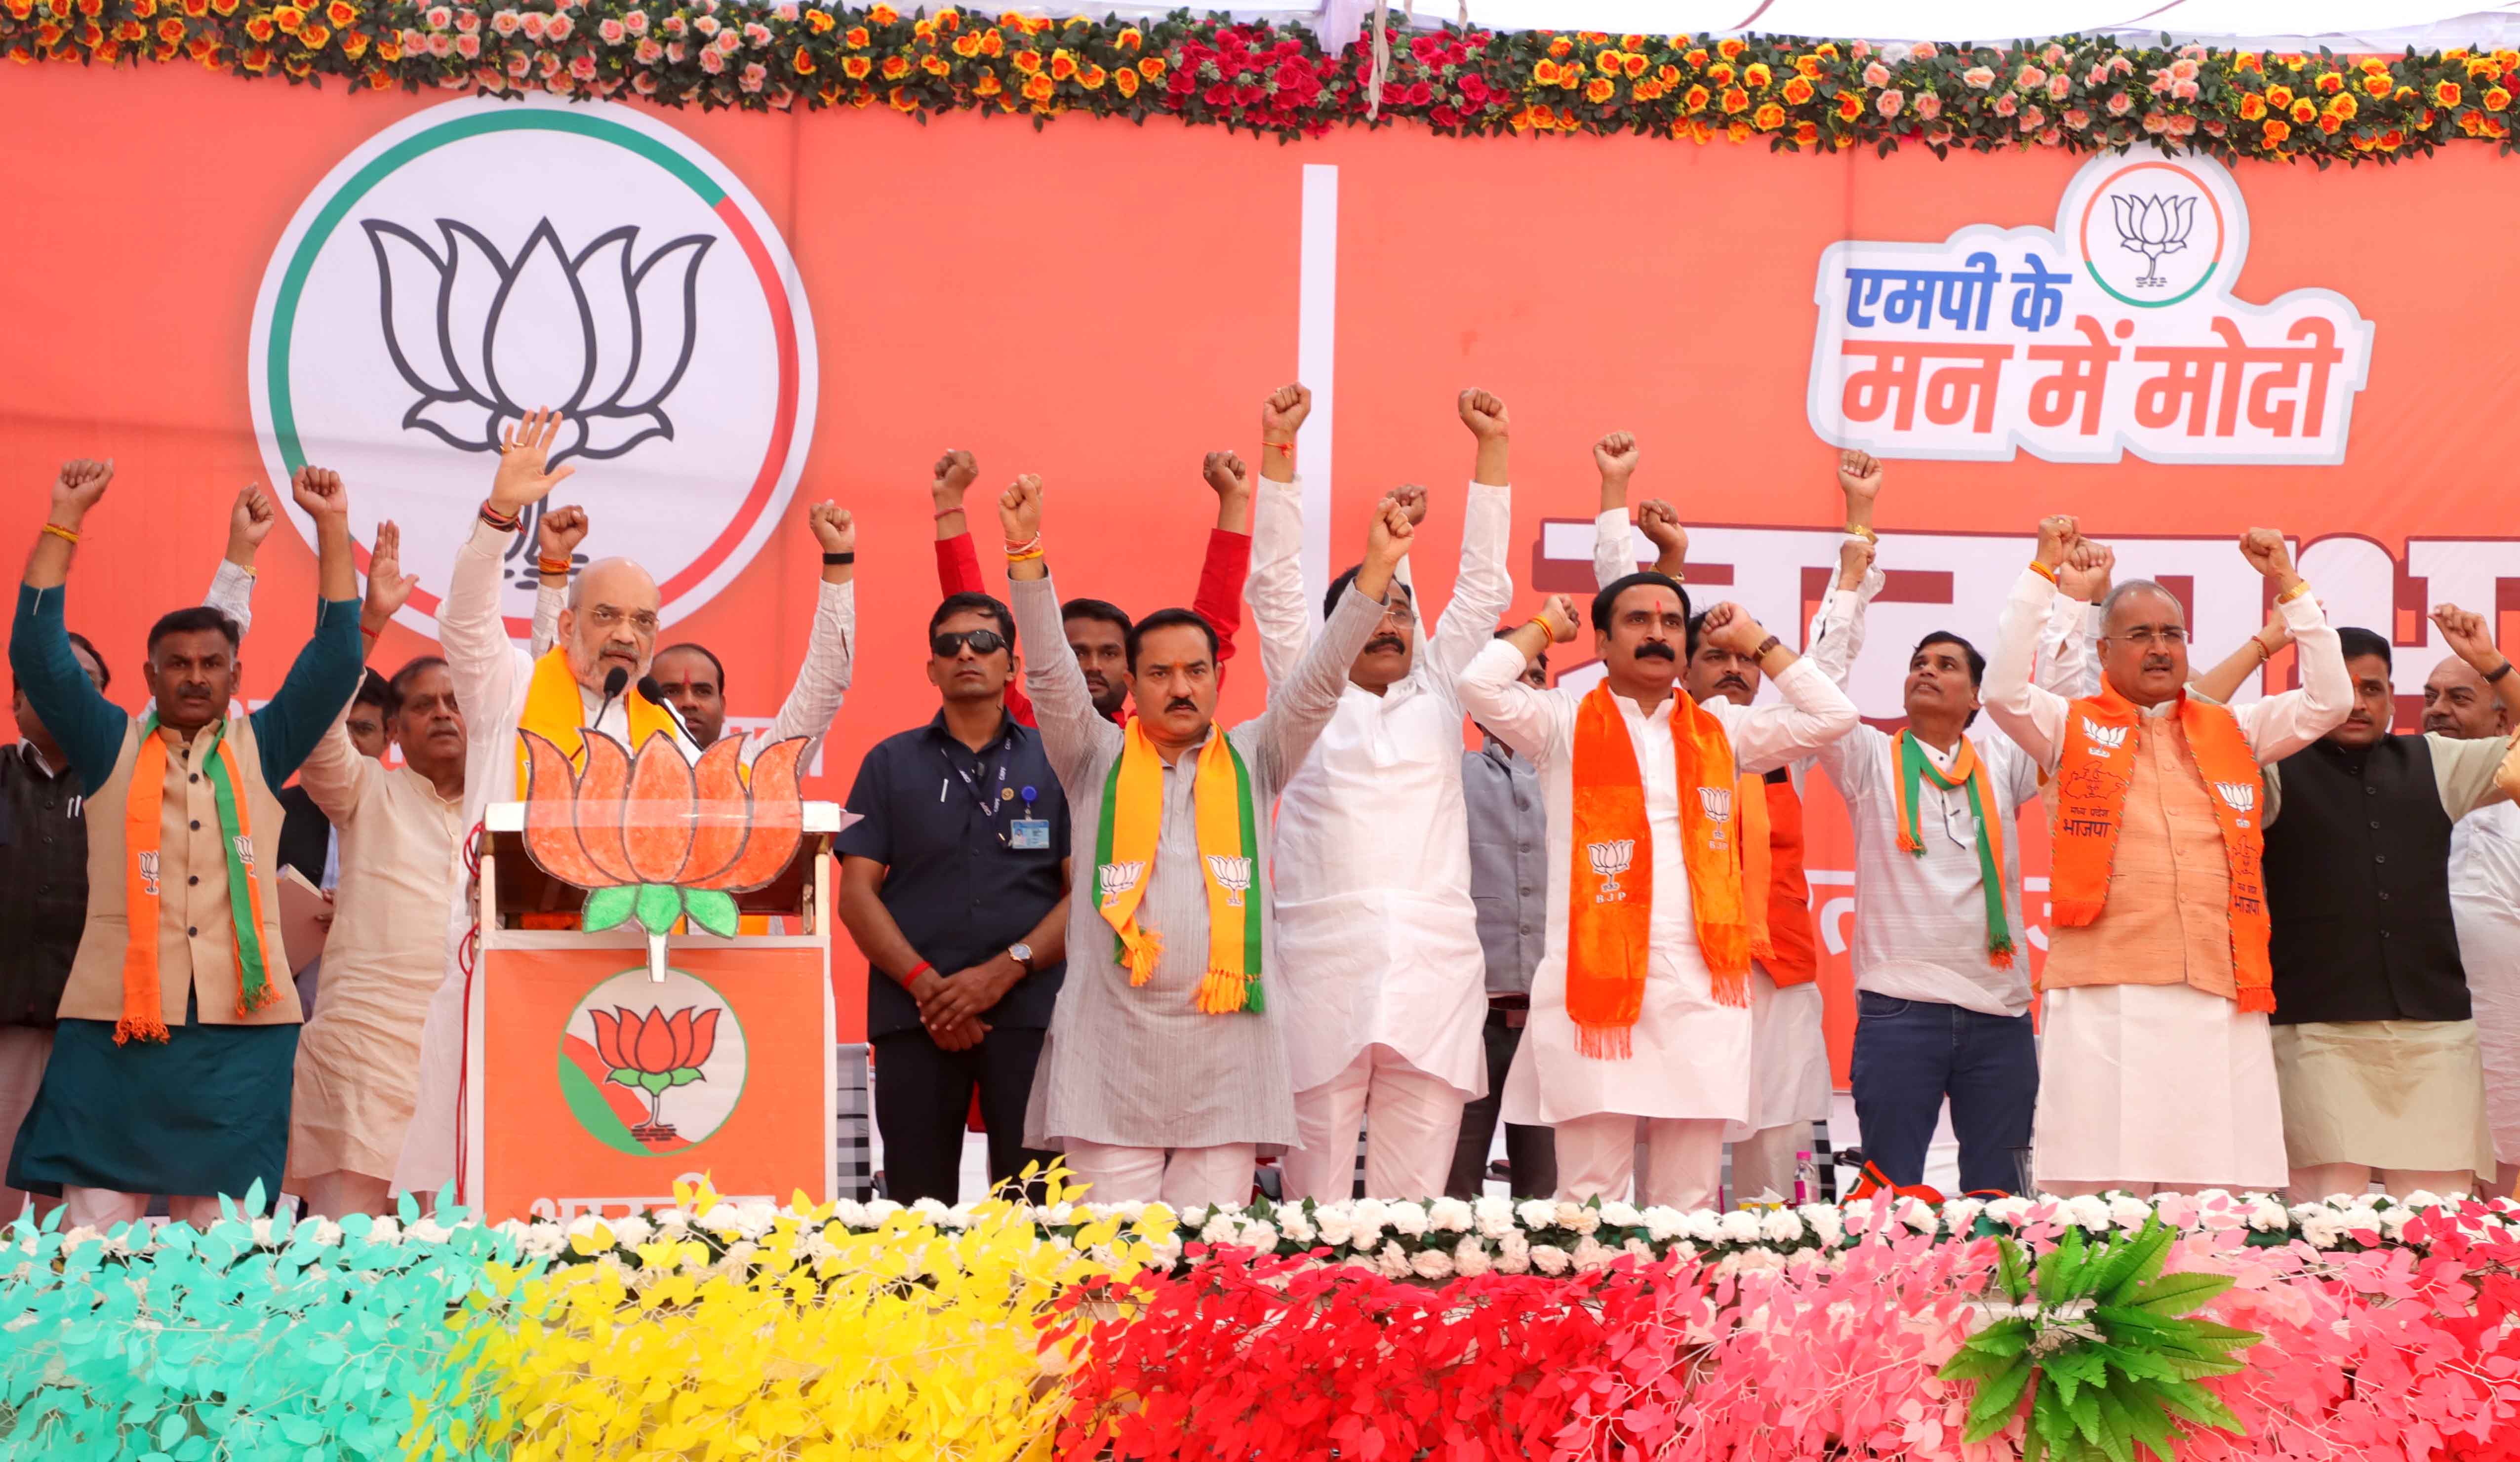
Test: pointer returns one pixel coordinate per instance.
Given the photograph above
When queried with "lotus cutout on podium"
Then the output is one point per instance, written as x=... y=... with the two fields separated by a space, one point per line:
x=660 y=838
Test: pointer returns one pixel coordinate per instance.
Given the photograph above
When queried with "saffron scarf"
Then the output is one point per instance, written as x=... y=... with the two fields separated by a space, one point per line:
x=556 y=712
x=1758 y=861
x=1793 y=952
x=2103 y=734
x=1607 y=930
x=143 y=1009
x=1968 y=769
x=1124 y=854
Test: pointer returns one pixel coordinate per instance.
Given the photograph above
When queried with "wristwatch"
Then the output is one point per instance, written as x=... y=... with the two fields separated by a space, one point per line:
x=1022 y=954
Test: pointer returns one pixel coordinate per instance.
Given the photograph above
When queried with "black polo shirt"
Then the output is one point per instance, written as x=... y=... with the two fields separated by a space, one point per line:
x=940 y=817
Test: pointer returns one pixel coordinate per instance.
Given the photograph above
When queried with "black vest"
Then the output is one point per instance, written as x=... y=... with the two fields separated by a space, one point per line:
x=43 y=887
x=2358 y=885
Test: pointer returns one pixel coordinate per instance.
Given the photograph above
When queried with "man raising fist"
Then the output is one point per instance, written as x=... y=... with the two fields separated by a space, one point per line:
x=1641 y=1006
x=1165 y=1065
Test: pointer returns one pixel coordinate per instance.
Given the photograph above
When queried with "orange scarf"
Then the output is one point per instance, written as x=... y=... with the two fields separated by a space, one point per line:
x=1607 y=930
x=1793 y=952
x=2093 y=775
x=1758 y=861
x=143 y=1014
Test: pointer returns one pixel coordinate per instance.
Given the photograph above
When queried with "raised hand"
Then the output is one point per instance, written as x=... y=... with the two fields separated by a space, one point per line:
x=1386 y=542
x=523 y=450
x=560 y=531
x=1659 y=521
x=2265 y=550
x=1615 y=455
x=250 y=521
x=1412 y=500
x=956 y=472
x=1225 y=473
x=77 y=489
x=1854 y=561
x=2275 y=635
x=319 y=493
x=835 y=527
x=1283 y=414
x=1019 y=510
x=389 y=587
x=2469 y=637
x=2057 y=536
x=1729 y=627
x=1558 y=614
x=1484 y=414
x=1859 y=476
x=2086 y=570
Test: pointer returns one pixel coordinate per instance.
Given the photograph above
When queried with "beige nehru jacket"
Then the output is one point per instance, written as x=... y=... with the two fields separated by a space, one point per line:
x=195 y=936
x=2168 y=918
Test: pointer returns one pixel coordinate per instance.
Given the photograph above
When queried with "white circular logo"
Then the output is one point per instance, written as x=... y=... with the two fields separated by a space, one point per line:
x=483 y=258
x=2155 y=231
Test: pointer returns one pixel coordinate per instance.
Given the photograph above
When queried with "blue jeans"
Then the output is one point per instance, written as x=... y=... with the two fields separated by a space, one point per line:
x=1910 y=1054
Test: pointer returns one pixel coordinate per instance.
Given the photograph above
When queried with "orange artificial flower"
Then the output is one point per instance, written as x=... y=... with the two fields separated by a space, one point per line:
x=1797 y=90
x=2304 y=111
x=1040 y=89
x=1696 y=99
x=818 y=21
x=2251 y=105
x=949 y=19
x=1730 y=48
x=1850 y=106
x=857 y=37
x=259 y=29
x=1735 y=100
x=1695 y=58
x=922 y=29
x=2483 y=65
x=2495 y=128
x=388 y=48
x=1701 y=132
x=1636 y=63
x=1648 y=90
x=2378 y=84
x=1806 y=133
x=882 y=15
x=1768 y=117
x=803 y=62
x=1608 y=63
x=1562 y=48
x=855 y=68
x=256 y=58
x=1093 y=77
x=2330 y=123
x=1668 y=76
x=1544 y=72
x=987 y=86
x=2445 y=93
x=1129 y=38
x=1126 y=80
x=1720 y=75
x=1808 y=68
x=993 y=43
x=170 y=29
x=936 y=65
x=1757 y=76
x=1738 y=131
x=1153 y=67
x=2496 y=98
x=967 y=44
x=1600 y=89
x=2392 y=139
x=340 y=13
x=2249 y=61
x=903 y=101
x=2331 y=81
x=313 y=36
x=1028 y=62
x=1632 y=43
x=2279 y=97
x=1063 y=66
x=895 y=68
x=2277 y=131
x=289 y=18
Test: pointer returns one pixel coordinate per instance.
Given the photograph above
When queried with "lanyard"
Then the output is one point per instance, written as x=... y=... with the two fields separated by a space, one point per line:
x=979 y=788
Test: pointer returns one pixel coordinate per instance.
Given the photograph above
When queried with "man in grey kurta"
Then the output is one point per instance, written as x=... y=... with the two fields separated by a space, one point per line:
x=1150 y=1097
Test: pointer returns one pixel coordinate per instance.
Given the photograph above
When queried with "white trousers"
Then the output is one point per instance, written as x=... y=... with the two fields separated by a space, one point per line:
x=1177 y=1175
x=1596 y=1158
x=24 y=1051
x=1412 y=1120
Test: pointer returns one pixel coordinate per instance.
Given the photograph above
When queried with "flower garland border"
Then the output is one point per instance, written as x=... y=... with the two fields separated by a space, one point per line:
x=2075 y=94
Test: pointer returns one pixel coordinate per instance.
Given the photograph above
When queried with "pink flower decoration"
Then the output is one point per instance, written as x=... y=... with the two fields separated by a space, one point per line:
x=675 y=51
x=636 y=23
x=755 y=34
x=1890 y=102
x=2059 y=87
x=2050 y=138
x=582 y=67
x=647 y=52
x=469 y=46
x=2004 y=105
x=504 y=22
x=536 y=23
x=2077 y=118
x=645 y=84
x=1876 y=74
x=2119 y=66
x=441 y=45
x=611 y=32
x=2182 y=70
x=2120 y=104
x=754 y=74
x=519 y=65
x=675 y=25
x=2156 y=122
x=2033 y=119
x=1929 y=105
x=559 y=27
x=787 y=13
x=2183 y=91
x=1860 y=49
x=2031 y=78
x=2182 y=125
x=466 y=22
x=437 y=17
x=1926 y=51
x=705 y=25
x=2054 y=55
x=1979 y=77
x=710 y=61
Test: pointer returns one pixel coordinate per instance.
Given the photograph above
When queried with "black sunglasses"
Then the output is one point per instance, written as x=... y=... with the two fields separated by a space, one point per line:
x=983 y=642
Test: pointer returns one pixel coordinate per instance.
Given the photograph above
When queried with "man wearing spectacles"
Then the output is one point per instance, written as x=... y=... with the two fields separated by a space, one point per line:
x=954 y=884
x=2157 y=1065
x=589 y=681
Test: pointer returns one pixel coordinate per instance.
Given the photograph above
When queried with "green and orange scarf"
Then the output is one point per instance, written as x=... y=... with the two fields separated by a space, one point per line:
x=143 y=1008
x=1124 y=856
x=1610 y=912
x=1968 y=769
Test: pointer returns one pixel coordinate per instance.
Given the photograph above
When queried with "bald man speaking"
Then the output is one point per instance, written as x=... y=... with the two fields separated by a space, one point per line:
x=589 y=679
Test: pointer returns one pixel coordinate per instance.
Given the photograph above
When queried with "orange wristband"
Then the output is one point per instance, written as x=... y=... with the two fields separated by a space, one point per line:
x=2043 y=570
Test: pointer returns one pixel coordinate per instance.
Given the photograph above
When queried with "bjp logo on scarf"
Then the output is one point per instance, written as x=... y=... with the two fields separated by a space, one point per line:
x=1609 y=860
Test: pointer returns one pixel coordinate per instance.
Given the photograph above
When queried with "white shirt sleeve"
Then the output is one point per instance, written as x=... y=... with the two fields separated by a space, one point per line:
x=823 y=681
x=487 y=669
x=2280 y=725
x=1837 y=630
x=1482 y=590
x=2031 y=714
x=1281 y=611
x=1614 y=548
x=1813 y=713
x=1539 y=724
x=231 y=594
x=548 y=603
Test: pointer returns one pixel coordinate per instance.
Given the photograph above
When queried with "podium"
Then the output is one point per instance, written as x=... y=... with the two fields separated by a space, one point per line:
x=634 y=1018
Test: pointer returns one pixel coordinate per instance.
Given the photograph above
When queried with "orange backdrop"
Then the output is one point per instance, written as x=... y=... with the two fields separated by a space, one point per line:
x=1101 y=303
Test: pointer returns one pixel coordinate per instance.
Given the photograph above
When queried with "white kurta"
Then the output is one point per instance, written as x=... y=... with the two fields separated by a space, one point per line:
x=1690 y=1054
x=2485 y=896
x=1378 y=939
x=491 y=674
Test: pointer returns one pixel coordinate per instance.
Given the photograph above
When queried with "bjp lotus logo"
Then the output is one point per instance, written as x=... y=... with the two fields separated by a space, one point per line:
x=661 y=838
x=2153 y=227
x=651 y=1070
x=655 y=1053
x=483 y=338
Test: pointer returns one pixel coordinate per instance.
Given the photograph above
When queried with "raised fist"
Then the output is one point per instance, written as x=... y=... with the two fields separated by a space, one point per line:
x=523 y=450
x=1729 y=626
x=249 y=521
x=1617 y=457
x=319 y=492
x=1859 y=476
x=1283 y=414
x=560 y=531
x=389 y=587
x=78 y=487
x=1484 y=414
x=956 y=472
x=1225 y=473
x=2265 y=550
x=1659 y=521
x=1019 y=510
x=835 y=527
x=2057 y=536
x=2087 y=571
x=1386 y=542
x=2469 y=637
x=1412 y=500
x=1854 y=561
x=1558 y=613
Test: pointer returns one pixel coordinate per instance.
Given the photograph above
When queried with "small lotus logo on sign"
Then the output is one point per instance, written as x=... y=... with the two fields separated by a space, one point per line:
x=652 y=1069
x=478 y=259
x=2153 y=227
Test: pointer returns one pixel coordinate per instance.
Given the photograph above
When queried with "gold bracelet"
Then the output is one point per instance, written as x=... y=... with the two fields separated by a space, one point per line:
x=1858 y=530
x=61 y=533
x=1023 y=557
x=1547 y=630
x=2299 y=587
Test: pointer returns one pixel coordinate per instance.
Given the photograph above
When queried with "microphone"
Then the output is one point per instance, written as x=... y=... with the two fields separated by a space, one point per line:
x=612 y=683
x=655 y=694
